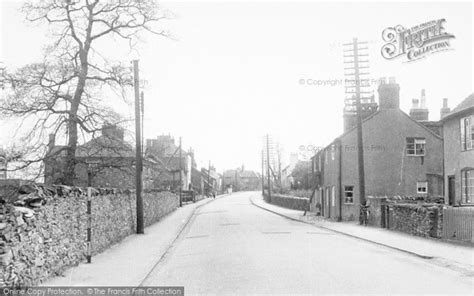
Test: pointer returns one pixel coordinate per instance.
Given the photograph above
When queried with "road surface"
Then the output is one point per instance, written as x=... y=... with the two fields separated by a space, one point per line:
x=233 y=247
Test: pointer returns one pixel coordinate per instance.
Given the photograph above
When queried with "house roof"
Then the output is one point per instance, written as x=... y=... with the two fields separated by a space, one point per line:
x=230 y=173
x=378 y=112
x=100 y=147
x=242 y=174
x=164 y=146
x=248 y=174
x=106 y=146
x=466 y=105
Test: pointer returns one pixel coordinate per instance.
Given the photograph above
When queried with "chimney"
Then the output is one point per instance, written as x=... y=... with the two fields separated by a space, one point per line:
x=389 y=94
x=445 y=110
x=419 y=112
x=51 y=142
x=112 y=132
x=423 y=99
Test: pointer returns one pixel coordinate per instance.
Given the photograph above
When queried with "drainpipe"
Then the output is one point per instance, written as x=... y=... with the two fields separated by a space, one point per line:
x=445 y=179
x=339 y=219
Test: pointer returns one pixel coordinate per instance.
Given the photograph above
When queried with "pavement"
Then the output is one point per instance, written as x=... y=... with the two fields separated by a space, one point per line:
x=238 y=245
x=128 y=262
x=450 y=254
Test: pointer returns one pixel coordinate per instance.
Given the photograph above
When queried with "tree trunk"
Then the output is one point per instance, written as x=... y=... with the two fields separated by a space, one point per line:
x=69 y=171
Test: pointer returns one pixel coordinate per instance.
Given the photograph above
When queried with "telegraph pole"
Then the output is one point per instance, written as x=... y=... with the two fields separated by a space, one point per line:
x=357 y=64
x=180 y=174
x=142 y=105
x=268 y=169
x=138 y=148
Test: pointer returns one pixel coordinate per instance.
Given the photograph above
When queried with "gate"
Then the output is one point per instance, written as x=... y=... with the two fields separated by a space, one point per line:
x=458 y=223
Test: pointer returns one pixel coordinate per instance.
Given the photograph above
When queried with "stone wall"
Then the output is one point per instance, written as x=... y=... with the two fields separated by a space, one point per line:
x=44 y=232
x=424 y=220
x=291 y=202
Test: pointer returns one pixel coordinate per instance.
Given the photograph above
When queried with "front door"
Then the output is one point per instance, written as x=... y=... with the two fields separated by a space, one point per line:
x=321 y=192
x=451 y=190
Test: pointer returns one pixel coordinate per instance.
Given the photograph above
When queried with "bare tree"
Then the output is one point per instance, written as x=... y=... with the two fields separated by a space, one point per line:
x=63 y=94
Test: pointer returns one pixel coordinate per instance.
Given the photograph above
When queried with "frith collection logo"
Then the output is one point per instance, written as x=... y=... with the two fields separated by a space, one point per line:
x=416 y=42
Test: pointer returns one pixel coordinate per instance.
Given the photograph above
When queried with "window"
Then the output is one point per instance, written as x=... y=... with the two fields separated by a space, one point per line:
x=319 y=162
x=349 y=194
x=326 y=156
x=467 y=133
x=422 y=187
x=467 y=186
x=416 y=146
x=333 y=152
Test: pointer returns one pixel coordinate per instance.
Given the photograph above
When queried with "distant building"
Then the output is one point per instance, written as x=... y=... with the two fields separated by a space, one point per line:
x=286 y=177
x=250 y=180
x=211 y=181
x=401 y=157
x=458 y=133
x=166 y=152
x=241 y=179
x=109 y=157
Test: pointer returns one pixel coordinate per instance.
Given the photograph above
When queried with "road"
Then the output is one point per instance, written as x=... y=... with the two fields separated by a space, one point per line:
x=233 y=247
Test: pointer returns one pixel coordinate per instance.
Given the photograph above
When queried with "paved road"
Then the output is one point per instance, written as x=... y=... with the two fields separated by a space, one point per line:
x=233 y=247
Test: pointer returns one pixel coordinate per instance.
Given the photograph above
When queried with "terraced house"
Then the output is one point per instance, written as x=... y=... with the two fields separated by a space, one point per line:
x=402 y=156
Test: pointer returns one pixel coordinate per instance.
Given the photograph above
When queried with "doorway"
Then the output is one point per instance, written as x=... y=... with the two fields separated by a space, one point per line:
x=451 y=190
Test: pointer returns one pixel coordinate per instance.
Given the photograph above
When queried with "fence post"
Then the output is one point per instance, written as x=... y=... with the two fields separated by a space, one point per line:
x=89 y=225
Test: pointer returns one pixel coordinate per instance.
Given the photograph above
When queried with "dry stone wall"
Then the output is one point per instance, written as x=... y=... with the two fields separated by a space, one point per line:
x=415 y=219
x=290 y=202
x=44 y=232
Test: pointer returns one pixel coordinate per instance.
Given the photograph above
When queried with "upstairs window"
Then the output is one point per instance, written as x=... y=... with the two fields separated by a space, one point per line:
x=467 y=133
x=316 y=164
x=422 y=187
x=416 y=146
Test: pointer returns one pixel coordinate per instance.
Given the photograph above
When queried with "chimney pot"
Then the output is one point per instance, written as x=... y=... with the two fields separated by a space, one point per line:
x=445 y=103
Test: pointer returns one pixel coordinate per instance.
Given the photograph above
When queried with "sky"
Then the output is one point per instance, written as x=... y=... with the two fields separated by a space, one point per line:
x=232 y=72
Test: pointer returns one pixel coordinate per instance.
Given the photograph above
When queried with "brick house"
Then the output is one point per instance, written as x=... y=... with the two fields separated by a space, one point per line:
x=165 y=151
x=241 y=179
x=401 y=157
x=458 y=133
x=112 y=157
